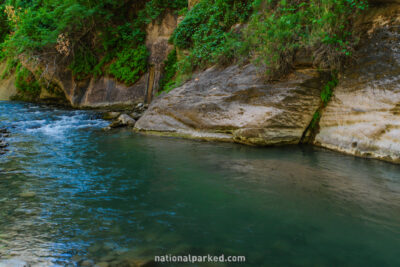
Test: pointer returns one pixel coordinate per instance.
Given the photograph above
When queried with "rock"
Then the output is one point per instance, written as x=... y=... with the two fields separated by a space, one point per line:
x=363 y=116
x=135 y=115
x=13 y=263
x=235 y=104
x=4 y=131
x=3 y=144
x=7 y=84
x=95 y=248
x=123 y=120
x=111 y=115
x=108 y=258
x=140 y=105
x=27 y=194
x=86 y=263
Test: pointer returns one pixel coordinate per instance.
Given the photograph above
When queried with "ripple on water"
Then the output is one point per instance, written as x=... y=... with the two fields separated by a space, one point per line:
x=71 y=193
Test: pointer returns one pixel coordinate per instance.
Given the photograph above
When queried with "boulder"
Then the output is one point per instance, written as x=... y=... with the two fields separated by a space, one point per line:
x=363 y=117
x=235 y=104
x=123 y=120
x=111 y=115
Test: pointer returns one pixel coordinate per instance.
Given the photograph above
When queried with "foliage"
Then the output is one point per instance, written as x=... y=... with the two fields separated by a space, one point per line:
x=26 y=82
x=130 y=64
x=207 y=32
x=86 y=36
x=280 y=28
x=169 y=70
x=315 y=119
x=155 y=8
x=327 y=91
x=83 y=63
x=11 y=63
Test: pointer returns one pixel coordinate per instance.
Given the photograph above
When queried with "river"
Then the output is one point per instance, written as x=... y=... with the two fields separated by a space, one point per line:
x=72 y=193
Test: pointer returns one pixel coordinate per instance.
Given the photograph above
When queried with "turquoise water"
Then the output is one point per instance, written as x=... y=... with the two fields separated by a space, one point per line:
x=70 y=192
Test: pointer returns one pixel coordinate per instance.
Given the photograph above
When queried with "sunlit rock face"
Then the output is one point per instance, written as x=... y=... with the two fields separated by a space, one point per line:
x=235 y=104
x=7 y=87
x=363 y=117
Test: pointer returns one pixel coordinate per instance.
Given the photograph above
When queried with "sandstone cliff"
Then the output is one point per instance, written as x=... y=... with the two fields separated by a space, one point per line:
x=233 y=104
x=363 y=117
x=7 y=87
x=105 y=91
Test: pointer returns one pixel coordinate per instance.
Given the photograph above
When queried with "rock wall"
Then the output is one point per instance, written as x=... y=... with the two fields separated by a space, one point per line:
x=7 y=87
x=234 y=104
x=363 y=117
x=106 y=91
x=158 y=34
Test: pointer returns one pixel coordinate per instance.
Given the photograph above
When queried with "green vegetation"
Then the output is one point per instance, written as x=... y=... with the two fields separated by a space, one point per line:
x=326 y=95
x=107 y=37
x=166 y=81
x=275 y=31
x=315 y=120
x=26 y=82
x=130 y=64
x=89 y=37
x=279 y=28
x=327 y=91
x=208 y=33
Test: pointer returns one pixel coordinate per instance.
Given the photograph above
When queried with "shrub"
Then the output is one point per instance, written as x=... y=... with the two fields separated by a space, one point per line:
x=26 y=82
x=130 y=64
x=279 y=28
x=327 y=90
x=207 y=32
x=169 y=70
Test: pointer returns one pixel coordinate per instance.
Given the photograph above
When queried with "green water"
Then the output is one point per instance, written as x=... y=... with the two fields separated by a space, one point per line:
x=105 y=195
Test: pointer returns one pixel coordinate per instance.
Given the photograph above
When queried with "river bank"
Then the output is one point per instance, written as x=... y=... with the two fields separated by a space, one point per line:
x=353 y=109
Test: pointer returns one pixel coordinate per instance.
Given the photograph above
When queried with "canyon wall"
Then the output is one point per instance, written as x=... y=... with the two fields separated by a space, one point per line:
x=363 y=117
x=234 y=104
x=7 y=86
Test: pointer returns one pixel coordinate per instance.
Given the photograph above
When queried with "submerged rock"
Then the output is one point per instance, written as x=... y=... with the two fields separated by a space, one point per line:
x=363 y=117
x=234 y=104
x=122 y=121
x=86 y=263
x=13 y=263
x=111 y=115
x=135 y=115
x=27 y=194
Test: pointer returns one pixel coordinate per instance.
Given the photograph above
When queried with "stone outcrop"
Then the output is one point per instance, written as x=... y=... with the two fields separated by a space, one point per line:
x=234 y=104
x=105 y=91
x=7 y=85
x=363 y=117
x=158 y=34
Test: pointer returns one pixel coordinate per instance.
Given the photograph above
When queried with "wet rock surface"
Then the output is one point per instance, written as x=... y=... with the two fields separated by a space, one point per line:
x=4 y=133
x=235 y=104
x=122 y=119
x=363 y=116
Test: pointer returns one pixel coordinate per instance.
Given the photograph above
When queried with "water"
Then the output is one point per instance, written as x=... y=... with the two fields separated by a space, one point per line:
x=70 y=191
